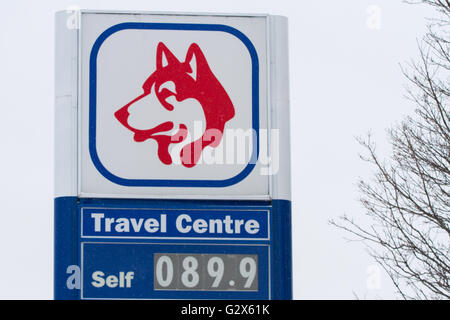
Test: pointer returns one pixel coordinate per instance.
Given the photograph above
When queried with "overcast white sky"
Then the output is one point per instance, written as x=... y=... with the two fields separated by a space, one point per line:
x=345 y=80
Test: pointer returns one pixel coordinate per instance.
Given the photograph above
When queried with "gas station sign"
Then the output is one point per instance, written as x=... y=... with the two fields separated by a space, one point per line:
x=172 y=157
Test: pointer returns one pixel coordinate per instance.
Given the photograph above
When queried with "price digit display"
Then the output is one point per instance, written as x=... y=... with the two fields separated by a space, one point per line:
x=208 y=272
x=164 y=262
x=216 y=268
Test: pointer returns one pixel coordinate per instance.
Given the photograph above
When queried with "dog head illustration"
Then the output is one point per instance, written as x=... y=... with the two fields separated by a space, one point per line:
x=175 y=81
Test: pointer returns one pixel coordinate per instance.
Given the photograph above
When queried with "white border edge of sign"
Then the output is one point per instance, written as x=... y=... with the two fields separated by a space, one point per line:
x=66 y=107
x=279 y=116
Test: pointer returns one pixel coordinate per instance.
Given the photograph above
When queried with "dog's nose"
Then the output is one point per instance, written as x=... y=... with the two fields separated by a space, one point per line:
x=122 y=115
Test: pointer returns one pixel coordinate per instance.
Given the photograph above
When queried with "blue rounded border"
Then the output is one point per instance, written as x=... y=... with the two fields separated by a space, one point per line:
x=93 y=105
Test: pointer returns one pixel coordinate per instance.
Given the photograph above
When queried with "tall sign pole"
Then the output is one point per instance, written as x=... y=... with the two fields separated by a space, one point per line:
x=172 y=156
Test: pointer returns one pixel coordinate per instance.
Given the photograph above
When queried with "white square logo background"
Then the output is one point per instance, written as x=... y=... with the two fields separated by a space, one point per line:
x=125 y=60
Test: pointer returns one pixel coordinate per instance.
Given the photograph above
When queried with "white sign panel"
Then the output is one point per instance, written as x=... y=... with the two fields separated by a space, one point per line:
x=174 y=106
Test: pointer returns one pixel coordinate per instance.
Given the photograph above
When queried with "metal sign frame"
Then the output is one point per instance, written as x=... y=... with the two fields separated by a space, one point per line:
x=78 y=240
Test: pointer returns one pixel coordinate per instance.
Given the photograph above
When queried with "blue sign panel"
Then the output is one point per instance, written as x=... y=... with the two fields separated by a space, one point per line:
x=113 y=254
x=142 y=253
x=168 y=271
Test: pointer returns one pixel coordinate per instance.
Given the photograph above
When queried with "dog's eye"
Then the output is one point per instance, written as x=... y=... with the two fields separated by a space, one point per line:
x=169 y=85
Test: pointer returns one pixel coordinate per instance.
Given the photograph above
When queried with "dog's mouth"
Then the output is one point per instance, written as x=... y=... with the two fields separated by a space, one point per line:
x=141 y=135
x=156 y=133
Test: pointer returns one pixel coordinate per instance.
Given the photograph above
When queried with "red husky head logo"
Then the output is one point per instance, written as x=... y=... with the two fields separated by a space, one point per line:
x=191 y=79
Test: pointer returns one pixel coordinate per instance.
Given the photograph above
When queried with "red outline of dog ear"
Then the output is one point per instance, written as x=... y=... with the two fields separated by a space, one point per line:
x=200 y=64
x=192 y=64
x=162 y=52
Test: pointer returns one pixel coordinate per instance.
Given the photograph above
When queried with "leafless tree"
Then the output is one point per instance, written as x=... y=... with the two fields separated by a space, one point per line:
x=407 y=201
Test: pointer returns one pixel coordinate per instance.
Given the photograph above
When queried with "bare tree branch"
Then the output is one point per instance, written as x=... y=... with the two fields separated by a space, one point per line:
x=408 y=199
